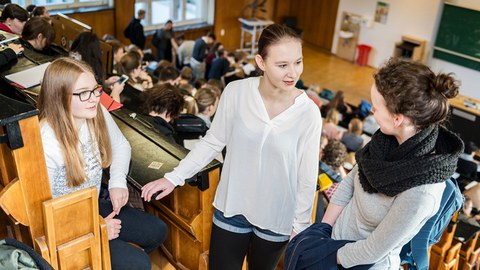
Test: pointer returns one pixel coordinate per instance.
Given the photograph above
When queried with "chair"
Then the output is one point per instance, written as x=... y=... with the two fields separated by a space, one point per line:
x=75 y=234
x=474 y=260
x=440 y=249
x=24 y=181
x=451 y=260
x=467 y=250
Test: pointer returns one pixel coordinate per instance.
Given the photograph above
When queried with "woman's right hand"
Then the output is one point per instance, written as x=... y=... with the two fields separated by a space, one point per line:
x=163 y=185
x=113 y=226
x=17 y=48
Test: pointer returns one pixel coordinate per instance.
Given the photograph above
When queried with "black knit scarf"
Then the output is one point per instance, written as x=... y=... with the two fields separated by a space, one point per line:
x=428 y=157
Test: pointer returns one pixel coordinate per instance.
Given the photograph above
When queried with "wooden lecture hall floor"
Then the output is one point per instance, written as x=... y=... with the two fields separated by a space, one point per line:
x=327 y=71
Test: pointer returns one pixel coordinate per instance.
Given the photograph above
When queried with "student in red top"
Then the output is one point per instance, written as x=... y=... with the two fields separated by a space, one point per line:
x=13 y=19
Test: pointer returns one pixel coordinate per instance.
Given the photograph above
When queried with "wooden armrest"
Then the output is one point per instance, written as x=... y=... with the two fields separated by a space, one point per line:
x=40 y=246
x=106 y=264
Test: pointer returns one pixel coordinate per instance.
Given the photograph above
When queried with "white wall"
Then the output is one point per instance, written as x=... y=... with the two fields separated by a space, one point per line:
x=415 y=18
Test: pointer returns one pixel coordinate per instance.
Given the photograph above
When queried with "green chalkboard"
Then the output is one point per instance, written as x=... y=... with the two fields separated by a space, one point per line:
x=458 y=36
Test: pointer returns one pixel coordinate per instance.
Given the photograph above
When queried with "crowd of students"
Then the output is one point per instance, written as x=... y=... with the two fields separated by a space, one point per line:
x=401 y=171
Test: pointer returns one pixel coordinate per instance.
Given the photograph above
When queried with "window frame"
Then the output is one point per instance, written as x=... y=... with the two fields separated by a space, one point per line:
x=206 y=16
x=74 y=4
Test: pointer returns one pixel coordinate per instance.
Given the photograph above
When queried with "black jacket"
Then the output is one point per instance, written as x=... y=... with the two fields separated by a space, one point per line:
x=314 y=249
x=134 y=32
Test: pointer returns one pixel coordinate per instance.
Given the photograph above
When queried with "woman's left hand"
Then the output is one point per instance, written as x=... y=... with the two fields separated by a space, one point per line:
x=119 y=197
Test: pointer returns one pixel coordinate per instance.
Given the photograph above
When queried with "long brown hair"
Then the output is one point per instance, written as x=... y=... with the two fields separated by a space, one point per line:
x=54 y=104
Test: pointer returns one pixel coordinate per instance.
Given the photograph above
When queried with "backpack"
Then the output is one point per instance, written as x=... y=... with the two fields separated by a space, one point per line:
x=415 y=252
x=155 y=39
x=128 y=31
x=188 y=127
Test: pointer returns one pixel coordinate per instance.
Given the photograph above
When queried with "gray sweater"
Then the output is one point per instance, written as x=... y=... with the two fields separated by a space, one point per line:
x=379 y=224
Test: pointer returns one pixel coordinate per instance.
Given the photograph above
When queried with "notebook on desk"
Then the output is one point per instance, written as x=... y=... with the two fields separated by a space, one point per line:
x=30 y=77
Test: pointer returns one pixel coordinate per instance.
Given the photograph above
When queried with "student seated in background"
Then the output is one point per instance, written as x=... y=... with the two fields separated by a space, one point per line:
x=138 y=81
x=338 y=103
x=13 y=19
x=221 y=65
x=204 y=104
x=40 y=11
x=186 y=76
x=119 y=51
x=80 y=138
x=353 y=137
x=332 y=157
x=330 y=125
x=467 y=166
x=466 y=214
x=168 y=75
x=163 y=103
x=37 y=34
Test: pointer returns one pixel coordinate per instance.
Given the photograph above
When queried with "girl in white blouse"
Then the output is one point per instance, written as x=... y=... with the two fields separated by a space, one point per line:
x=272 y=134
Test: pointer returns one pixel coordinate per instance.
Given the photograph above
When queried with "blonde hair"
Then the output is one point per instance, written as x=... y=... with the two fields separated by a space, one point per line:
x=355 y=126
x=332 y=117
x=203 y=98
x=54 y=104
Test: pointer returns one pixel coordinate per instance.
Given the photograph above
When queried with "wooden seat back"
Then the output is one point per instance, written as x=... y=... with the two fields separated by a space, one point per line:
x=24 y=183
x=439 y=251
x=72 y=232
x=451 y=258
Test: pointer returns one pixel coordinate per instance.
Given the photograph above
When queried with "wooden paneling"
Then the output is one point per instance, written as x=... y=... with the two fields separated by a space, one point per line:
x=102 y=22
x=124 y=12
x=317 y=19
x=226 y=18
x=227 y=13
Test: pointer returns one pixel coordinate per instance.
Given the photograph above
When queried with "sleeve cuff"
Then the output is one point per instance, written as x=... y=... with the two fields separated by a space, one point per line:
x=174 y=179
x=117 y=184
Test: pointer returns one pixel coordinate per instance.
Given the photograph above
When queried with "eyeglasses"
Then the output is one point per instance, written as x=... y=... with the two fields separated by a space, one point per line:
x=86 y=95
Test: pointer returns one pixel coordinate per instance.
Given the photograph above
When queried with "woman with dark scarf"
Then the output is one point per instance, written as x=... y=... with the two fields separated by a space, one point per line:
x=398 y=182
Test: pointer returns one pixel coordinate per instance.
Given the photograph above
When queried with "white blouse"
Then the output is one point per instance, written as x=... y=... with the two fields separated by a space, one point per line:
x=93 y=169
x=271 y=167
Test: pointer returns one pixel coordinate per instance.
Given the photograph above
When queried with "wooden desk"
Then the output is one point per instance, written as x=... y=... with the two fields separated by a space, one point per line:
x=465 y=231
x=188 y=210
x=465 y=121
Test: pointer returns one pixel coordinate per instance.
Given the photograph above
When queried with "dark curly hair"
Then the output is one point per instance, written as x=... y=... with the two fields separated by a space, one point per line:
x=334 y=154
x=163 y=98
x=414 y=90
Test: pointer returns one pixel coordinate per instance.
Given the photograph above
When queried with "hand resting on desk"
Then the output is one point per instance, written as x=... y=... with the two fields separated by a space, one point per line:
x=162 y=185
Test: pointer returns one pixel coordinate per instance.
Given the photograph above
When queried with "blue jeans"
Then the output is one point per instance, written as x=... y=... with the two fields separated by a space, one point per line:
x=138 y=227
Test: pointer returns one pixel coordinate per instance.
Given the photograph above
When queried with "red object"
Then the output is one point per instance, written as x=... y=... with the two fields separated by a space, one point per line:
x=363 y=53
x=109 y=103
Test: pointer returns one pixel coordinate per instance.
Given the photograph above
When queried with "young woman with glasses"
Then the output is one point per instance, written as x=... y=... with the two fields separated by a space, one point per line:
x=80 y=139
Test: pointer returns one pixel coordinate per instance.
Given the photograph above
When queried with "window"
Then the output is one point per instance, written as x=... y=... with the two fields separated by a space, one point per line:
x=181 y=12
x=62 y=4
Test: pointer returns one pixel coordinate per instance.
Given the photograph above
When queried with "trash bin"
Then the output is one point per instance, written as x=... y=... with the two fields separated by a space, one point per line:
x=363 y=52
